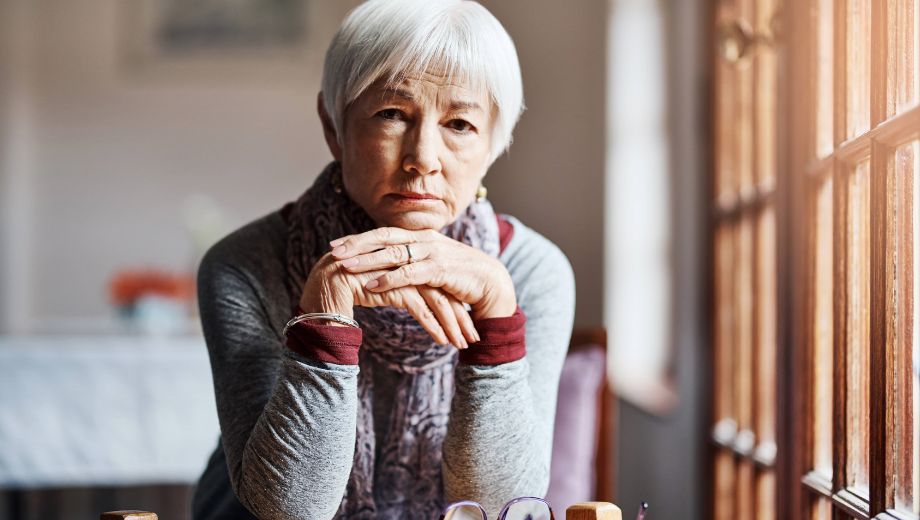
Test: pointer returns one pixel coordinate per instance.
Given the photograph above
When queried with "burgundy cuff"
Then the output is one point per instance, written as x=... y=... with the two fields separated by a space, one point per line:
x=501 y=341
x=326 y=343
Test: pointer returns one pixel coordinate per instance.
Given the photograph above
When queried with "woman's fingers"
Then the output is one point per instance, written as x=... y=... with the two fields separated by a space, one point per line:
x=388 y=257
x=351 y=245
x=439 y=312
x=418 y=308
x=404 y=298
x=465 y=321
x=417 y=273
x=440 y=304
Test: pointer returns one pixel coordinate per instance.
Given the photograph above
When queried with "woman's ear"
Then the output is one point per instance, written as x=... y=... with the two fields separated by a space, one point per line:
x=332 y=140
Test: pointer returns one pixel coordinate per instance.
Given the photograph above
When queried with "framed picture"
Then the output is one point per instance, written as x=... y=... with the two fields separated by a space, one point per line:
x=245 y=40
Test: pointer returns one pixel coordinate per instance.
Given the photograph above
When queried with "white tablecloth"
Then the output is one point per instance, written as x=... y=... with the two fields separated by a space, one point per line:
x=106 y=410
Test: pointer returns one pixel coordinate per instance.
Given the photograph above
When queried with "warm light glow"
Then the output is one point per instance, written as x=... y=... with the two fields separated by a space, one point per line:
x=916 y=338
x=638 y=285
x=823 y=390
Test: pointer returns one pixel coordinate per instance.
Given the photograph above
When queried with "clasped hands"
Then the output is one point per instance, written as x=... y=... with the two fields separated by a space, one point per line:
x=373 y=269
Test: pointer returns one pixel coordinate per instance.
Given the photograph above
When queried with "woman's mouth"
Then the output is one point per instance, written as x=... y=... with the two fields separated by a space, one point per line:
x=413 y=198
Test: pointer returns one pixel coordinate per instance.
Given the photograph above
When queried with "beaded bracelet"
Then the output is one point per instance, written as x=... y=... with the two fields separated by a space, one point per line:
x=331 y=316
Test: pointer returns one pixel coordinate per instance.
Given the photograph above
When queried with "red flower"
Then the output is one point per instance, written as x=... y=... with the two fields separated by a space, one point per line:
x=126 y=287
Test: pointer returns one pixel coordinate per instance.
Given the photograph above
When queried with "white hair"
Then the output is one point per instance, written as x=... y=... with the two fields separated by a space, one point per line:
x=393 y=39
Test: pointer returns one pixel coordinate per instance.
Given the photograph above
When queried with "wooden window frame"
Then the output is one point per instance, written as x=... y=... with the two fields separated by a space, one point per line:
x=799 y=176
x=802 y=176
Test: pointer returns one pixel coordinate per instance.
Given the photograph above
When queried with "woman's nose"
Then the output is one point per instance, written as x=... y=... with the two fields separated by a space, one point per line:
x=421 y=154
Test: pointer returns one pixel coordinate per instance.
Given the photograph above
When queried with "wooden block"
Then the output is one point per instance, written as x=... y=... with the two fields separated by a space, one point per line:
x=593 y=511
x=128 y=515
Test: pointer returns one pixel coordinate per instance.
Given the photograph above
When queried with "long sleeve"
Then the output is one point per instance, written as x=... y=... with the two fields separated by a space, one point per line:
x=287 y=423
x=499 y=439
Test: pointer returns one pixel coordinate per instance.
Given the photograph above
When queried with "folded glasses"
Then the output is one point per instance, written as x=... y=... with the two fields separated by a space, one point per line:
x=521 y=508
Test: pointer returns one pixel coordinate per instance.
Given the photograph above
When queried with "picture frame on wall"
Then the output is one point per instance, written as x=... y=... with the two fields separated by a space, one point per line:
x=226 y=40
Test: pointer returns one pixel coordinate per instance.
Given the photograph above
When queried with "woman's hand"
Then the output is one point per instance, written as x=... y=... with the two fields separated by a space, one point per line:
x=464 y=272
x=330 y=288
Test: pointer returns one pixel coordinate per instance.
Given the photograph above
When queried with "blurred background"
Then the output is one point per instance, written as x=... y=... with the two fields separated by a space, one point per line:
x=136 y=133
x=678 y=151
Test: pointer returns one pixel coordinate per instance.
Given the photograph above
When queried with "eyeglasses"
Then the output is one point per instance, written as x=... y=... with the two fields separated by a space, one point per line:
x=521 y=508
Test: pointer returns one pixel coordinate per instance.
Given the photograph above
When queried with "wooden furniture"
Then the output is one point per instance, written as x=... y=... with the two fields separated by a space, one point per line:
x=593 y=511
x=605 y=476
x=129 y=515
x=585 y=423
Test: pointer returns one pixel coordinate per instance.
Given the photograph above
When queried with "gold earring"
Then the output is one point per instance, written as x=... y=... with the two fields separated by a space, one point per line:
x=481 y=193
x=337 y=183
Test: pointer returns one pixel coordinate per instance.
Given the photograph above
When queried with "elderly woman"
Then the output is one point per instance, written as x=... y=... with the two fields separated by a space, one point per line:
x=428 y=332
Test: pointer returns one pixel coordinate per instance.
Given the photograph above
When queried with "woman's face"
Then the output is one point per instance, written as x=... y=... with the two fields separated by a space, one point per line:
x=413 y=155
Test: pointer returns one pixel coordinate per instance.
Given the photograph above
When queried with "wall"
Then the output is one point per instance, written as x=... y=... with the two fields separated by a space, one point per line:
x=117 y=155
x=16 y=126
x=662 y=459
x=553 y=177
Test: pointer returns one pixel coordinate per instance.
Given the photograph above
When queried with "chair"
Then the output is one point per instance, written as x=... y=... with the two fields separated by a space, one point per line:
x=583 y=436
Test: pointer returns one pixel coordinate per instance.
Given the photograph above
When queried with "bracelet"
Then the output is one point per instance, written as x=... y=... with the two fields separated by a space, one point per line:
x=331 y=316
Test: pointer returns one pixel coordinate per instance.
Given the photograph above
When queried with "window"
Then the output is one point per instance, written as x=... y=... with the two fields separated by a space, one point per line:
x=816 y=349
x=745 y=256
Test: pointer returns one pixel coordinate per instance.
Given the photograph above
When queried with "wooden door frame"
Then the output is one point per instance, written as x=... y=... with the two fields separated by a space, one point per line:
x=787 y=197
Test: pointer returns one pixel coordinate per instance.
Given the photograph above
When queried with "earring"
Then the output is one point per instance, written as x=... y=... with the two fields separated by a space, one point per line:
x=481 y=193
x=337 y=182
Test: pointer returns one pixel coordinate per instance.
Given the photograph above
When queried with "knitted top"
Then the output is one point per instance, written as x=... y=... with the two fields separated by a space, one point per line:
x=287 y=417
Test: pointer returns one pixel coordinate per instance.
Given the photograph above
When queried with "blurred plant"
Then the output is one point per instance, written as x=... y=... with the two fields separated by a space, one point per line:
x=128 y=286
x=152 y=301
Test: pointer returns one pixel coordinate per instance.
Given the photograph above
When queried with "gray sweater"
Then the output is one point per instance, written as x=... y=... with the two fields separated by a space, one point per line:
x=288 y=423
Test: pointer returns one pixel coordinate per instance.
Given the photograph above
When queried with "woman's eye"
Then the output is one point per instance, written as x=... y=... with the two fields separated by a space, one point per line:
x=390 y=113
x=460 y=125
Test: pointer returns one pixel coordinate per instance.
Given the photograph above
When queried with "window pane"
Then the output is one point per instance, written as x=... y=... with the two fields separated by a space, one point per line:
x=766 y=495
x=725 y=486
x=726 y=155
x=821 y=509
x=903 y=340
x=858 y=67
x=824 y=97
x=724 y=330
x=744 y=338
x=857 y=329
x=742 y=119
x=765 y=424
x=823 y=327
x=765 y=82
x=745 y=489
x=903 y=54
x=916 y=331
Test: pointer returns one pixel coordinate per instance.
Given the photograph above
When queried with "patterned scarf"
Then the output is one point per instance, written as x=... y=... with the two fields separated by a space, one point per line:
x=404 y=475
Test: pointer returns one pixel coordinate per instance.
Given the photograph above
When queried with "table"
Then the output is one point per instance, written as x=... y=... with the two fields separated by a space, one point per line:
x=104 y=410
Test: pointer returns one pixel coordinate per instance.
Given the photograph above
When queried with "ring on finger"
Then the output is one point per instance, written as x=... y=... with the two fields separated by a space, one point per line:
x=409 y=252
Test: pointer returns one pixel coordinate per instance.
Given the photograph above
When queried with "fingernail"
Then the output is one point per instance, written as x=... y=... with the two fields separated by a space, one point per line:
x=336 y=242
x=338 y=251
x=371 y=284
x=351 y=262
x=478 y=338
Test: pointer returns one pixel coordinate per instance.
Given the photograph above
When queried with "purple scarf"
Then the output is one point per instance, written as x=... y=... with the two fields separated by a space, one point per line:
x=404 y=474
